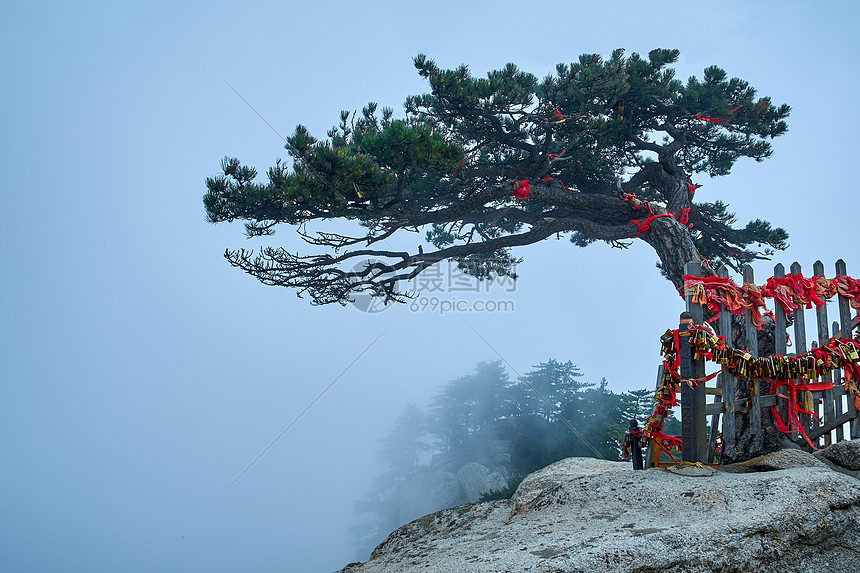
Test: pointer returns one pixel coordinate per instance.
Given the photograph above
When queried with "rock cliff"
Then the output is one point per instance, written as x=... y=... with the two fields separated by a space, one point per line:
x=588 y=515
x=429 y=491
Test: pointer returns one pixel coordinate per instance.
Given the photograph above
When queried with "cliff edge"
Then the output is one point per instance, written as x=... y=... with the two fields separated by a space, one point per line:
x=782 y=513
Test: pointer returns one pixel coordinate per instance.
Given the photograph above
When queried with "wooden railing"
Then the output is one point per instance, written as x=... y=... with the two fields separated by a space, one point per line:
x=729 y=396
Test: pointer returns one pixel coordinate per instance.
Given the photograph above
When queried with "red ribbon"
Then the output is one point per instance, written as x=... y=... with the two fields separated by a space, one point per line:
x=646 y=224
x=794 y=426
x=676 y=335
x=846 y=286
x=711 y=291
x=791 y=291
x=690 y=187
x=708 y=118
x=635 y=203
x=558 y=115
x=548 y=179
x=666 y=443
x=521 y=191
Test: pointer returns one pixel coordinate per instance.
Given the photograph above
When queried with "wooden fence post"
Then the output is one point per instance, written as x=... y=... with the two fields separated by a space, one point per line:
x=779 y=330
x=699 y=406
x=652 y=452
x=823 y=337
x=838 y=390
x=694 y=398
x=727 y=380
x=752 y=347
x=799 y=348
x=846 y=323
x=688 y=425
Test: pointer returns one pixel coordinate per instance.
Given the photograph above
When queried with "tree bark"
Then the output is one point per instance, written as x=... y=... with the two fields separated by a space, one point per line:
x=674 y=246
x=747 y=445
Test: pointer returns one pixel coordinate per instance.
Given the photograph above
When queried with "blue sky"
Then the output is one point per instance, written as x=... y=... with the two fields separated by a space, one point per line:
x=140 y=373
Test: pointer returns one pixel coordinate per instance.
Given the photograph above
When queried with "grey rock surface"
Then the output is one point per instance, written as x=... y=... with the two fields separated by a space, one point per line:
x=585 y=515
x=843 y=454
x=536 y=483
x=477 y=480
x=853 y=473
x=779 y=460
x=427 y=492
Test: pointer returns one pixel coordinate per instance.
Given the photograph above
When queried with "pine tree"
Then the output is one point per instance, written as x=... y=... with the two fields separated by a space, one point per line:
x=602 y=150
x=469 y=407
x=473 y=411
x=559 y=416
x=408 y=445
x=603 y=420
x=640 y=405
x=404 y=452
x=550 y=389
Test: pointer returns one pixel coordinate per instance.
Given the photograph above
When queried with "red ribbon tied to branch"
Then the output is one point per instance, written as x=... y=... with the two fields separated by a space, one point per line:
x=646 y=224
x=717 y=120
x=709 y=119
x=548 y=179
x=521 y=191
x=635 y=203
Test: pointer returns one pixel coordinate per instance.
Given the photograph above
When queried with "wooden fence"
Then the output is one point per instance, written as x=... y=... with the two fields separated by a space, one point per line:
x=836 y=417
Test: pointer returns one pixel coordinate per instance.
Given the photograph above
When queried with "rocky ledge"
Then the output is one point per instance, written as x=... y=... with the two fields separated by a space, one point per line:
x=786 y=512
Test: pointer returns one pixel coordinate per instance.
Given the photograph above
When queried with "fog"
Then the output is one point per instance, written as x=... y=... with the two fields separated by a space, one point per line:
x=141 y=374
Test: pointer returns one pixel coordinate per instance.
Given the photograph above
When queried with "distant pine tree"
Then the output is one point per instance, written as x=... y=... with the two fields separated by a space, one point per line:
x=470 y=414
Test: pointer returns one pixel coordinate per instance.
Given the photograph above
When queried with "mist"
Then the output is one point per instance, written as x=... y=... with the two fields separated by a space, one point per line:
x=163 y=411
